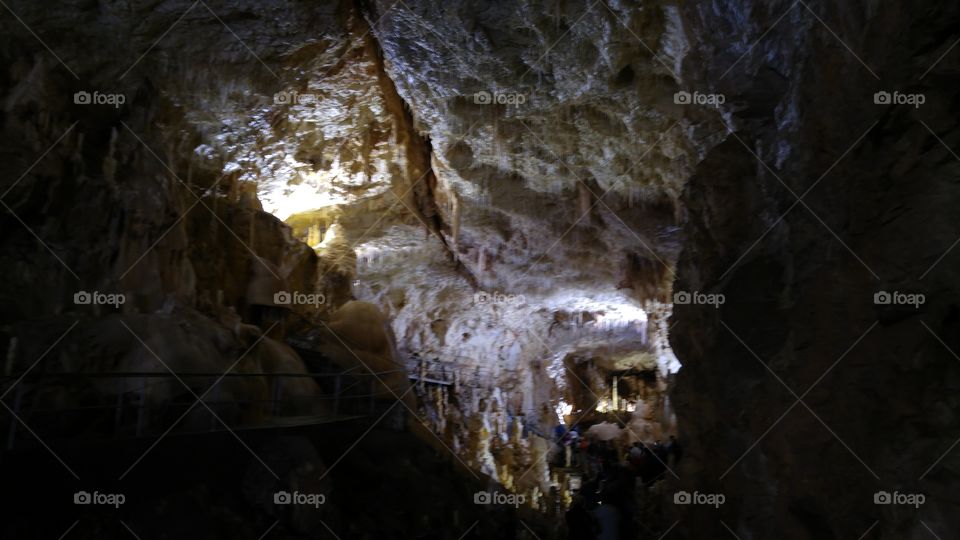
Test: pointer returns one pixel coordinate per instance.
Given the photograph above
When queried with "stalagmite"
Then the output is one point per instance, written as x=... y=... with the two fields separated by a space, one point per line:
x=614 y=399
x=314 y=236
x=517 y=430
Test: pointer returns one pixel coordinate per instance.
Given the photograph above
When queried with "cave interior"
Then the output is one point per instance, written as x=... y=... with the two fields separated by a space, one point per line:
x=542 y=269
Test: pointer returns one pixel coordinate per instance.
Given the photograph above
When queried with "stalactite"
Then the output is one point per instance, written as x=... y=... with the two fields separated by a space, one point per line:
x=455 y=227
x=11 y=356
x=584 y=201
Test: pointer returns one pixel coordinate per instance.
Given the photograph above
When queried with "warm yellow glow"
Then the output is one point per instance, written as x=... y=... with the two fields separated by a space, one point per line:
x=333 y=232
x=314 y=191
x=604 y=405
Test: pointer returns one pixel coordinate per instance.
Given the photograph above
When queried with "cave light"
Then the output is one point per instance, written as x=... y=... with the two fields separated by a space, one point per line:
x=563 y=409
x=315 y=191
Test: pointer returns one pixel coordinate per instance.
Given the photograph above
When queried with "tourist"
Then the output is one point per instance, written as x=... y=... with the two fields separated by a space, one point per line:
x=582 y=453
x=661 y=451
x=574 y=446
x=608 y=517
x=567 y=450
x=580 y=523
x=674 y=450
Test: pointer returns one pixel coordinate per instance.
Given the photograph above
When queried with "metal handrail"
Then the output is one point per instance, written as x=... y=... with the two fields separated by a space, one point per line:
x=426 y=371
x=473 y=367
x=139 y=405
x=170 y=375
x=168 y=404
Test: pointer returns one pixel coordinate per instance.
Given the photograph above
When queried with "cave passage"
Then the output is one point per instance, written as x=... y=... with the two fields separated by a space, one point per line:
x=451 y=270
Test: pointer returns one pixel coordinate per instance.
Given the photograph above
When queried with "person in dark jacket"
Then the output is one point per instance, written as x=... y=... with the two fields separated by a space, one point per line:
x=674 y=450
x=608 y=518
x=580 y=523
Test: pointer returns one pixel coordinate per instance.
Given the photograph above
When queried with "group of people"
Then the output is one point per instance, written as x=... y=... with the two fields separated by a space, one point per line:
x=583 y=452
x=647 y=461
x=650 y=462
x=604 y=507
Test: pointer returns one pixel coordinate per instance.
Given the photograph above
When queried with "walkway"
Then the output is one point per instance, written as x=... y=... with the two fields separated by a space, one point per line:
x=148 y=404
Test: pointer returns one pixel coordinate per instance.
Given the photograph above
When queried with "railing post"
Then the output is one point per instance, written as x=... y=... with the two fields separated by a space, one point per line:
x=373 y=388
x=141 y=411
x=11 y=436
x=336 y=394
x=118 y=414
x=214 y=398
x=277 y=395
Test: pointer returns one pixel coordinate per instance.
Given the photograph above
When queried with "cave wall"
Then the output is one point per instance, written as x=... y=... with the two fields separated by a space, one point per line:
x=877 y=382
x=545 y=177
x=147 y=196
x=212 y=125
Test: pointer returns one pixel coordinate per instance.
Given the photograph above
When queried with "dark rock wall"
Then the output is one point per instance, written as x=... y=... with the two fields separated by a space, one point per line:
x=877 y=183
x=125 y=200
